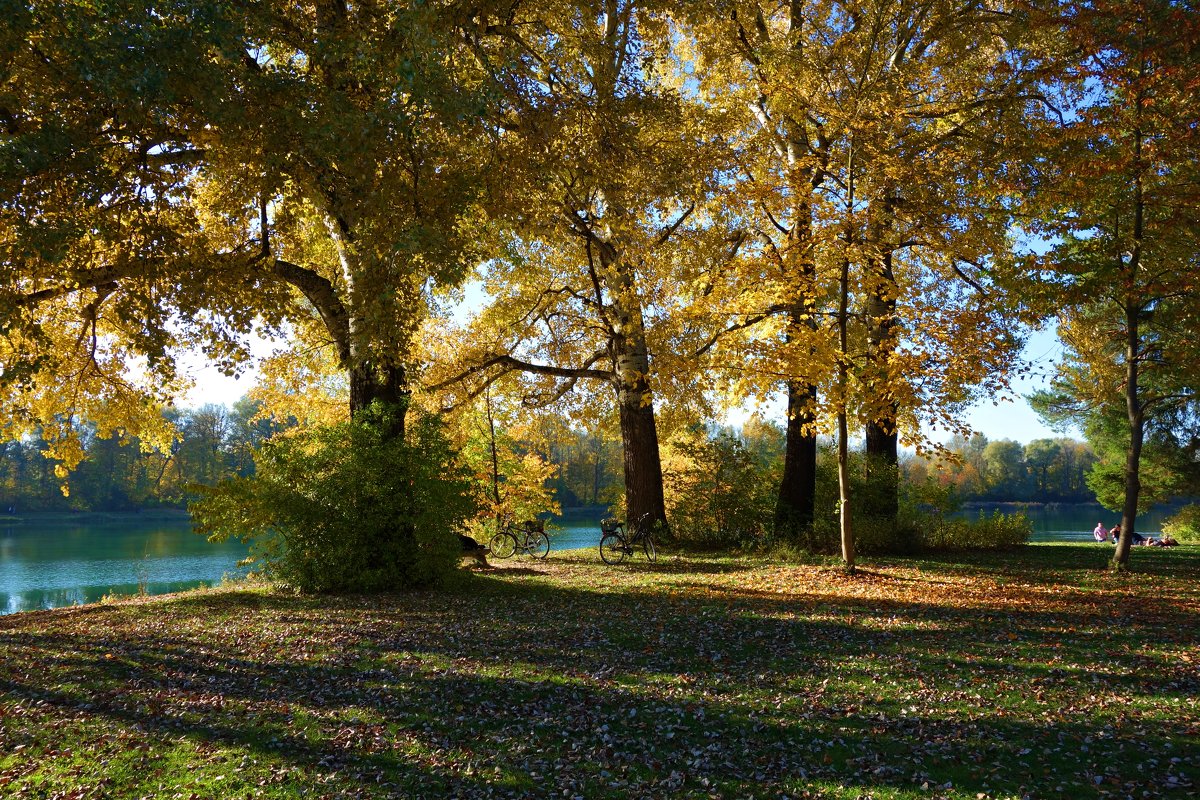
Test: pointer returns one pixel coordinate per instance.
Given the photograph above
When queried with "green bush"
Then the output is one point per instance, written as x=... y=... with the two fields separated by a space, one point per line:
x=995 y=532
x=347 y=507
x=1185 y=525
x=717 y=495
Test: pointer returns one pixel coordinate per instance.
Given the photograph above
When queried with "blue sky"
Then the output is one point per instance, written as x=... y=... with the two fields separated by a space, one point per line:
x=1015 y=419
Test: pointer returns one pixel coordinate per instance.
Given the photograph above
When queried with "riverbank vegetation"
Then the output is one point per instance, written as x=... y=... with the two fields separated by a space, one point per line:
x=1185 y=526
x=996 y=675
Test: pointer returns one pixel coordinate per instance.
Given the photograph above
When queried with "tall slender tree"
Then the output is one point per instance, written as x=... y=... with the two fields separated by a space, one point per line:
x=1120 y=188
x=753 y=60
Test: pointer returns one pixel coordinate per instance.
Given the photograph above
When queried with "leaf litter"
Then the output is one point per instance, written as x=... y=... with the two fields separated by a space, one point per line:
x=1025 y=674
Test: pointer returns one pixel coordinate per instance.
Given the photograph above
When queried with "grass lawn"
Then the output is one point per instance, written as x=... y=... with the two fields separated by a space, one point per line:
x=1031 y=673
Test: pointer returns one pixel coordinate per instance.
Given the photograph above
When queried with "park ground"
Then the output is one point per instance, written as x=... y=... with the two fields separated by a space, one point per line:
x=1030 y=673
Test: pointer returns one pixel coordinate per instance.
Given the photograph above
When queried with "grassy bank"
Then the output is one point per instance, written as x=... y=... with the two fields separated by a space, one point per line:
x=1032 y=673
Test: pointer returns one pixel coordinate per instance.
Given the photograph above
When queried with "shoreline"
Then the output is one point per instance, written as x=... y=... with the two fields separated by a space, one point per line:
x=95 y=517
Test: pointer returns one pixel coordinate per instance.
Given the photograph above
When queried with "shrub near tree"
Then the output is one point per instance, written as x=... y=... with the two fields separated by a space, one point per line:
x=720 y=491
x=718 y=495
x=1185 y=525
x=324 y=513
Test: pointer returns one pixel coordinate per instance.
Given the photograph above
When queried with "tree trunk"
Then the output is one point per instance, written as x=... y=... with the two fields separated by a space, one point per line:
x=795 y=507
x=882 y=439
x=843 y=443
x=643 y=468
x=639 y=439
x=385 y=385
x=631 y=368
x=596 y=482
x=1137 y=431
x=491 y=420
x=882 y=470
x=1133 y=405
x=843 y=376
x=844 y=519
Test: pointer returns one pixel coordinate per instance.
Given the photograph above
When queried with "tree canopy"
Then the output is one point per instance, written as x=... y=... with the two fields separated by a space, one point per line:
x=667 y=209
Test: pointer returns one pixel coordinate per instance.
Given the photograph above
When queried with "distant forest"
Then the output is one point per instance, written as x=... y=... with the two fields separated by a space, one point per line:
x=216 y=442
x=1042 y=471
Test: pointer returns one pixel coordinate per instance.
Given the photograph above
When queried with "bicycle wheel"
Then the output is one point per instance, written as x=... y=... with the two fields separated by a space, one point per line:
x=648 y=546
x=503 y=544
x=539 y=545
x=612 y=548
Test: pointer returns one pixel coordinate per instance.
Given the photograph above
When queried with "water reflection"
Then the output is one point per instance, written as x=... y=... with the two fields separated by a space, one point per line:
x=56 y=563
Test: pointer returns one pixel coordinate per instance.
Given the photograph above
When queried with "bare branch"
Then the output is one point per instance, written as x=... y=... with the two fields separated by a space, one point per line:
x=512 y=364
x=91 y=279
x=175 y=158
x=536 y=401
x=954 y=266
x=601 y=308
x=749 y=322
x=669 y=231
x=324 y=297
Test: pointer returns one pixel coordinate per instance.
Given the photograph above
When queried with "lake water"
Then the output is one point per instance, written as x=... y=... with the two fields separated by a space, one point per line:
x=1058 y=523
x=47 y=564
x=574 y=535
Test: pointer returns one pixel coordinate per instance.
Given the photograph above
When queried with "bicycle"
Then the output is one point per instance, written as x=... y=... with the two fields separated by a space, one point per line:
x=528 y=539
x=615 y=544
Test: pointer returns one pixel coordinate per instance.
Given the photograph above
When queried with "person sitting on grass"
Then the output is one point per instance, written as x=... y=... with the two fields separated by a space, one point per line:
x=1136 y=538
x=1101 y=532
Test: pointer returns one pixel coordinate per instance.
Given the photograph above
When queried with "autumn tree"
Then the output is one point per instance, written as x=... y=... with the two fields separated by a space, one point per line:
x=512 y=480
x=970 y=472
x=1040 y=455
x=1118 y=185
x=610 y=227
x=719 y=490
x=926 y=96
x=174 y=175
x=586 y=457
x=940 y=88
x=1005 y=460
x=753 y=60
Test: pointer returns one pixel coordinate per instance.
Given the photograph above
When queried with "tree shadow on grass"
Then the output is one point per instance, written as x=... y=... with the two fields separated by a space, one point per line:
x=600 y=693
x=1045 y=561
x=599 y=736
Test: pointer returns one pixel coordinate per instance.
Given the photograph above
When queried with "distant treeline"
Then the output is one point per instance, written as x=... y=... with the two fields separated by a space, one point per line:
x=1042 y=471
x=214 y=442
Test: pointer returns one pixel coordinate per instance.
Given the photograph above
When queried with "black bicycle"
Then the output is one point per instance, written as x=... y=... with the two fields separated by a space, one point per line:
x=615 y=544
x=528 y=538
